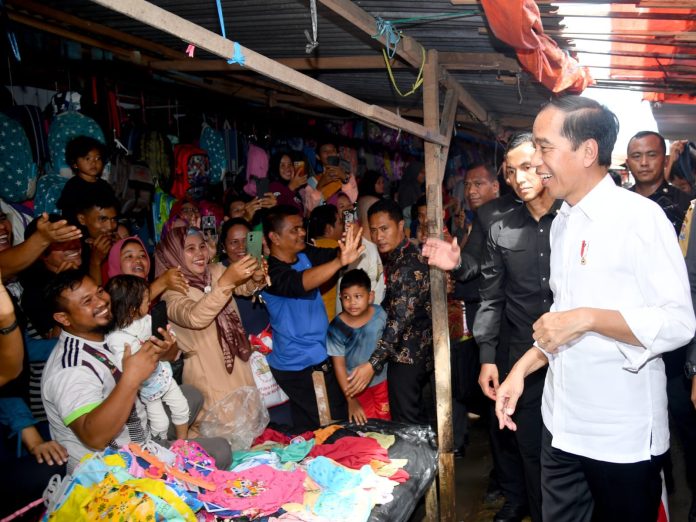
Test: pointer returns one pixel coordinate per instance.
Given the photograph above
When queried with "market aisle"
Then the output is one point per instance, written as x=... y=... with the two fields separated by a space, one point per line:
x=472 y=480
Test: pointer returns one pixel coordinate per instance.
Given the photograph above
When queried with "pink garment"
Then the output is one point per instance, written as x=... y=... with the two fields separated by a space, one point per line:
x=257 y=491
x=257 y=162
x=114 y=259
x=350 y=189
x=352 y=452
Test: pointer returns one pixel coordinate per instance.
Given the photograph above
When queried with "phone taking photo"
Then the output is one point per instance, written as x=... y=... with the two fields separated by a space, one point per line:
x=254 y=244
x=348 y=217
x=159 y=319
x=261 y=187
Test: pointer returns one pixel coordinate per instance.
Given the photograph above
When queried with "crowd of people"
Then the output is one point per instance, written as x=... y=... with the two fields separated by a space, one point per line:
x=575 y=290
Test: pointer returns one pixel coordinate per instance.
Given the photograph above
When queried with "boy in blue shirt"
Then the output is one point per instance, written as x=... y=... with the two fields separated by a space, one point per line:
x=350 y=341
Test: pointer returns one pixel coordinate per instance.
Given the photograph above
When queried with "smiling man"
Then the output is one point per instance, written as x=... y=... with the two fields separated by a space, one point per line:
x=620 y=300
x=646 y=161
x=298 y=315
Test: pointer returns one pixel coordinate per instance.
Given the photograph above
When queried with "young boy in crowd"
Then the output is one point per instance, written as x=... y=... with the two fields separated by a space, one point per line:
x=350 y=341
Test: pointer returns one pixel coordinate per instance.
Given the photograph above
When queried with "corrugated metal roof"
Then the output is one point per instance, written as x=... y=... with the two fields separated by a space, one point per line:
x=276 y=28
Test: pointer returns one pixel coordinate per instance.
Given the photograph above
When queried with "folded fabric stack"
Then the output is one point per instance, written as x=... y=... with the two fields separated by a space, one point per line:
x=329 y=475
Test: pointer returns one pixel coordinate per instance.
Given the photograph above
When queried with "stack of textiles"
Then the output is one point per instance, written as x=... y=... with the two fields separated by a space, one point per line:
x=334 y=474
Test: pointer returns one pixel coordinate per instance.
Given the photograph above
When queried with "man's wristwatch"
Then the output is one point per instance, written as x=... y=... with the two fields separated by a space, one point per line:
x=690 y=370
x=377 y=366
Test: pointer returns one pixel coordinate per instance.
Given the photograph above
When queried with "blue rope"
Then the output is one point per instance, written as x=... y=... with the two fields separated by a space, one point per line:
x=238 y=56
x=392 y=37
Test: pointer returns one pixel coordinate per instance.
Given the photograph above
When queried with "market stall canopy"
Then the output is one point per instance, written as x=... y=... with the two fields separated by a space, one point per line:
x=645 y=48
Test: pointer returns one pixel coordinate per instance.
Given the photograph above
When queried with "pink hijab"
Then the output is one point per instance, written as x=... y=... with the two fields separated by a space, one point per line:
x=114 y=259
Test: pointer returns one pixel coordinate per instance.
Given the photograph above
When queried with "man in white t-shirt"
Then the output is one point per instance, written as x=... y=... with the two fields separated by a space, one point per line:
x=620 y=299
x=89 y=402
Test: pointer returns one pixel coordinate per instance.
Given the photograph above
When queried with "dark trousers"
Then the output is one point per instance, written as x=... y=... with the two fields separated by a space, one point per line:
x=683 y=416
x=580 y=489
x=406 y=383
x=299 y=387
x=517 y=454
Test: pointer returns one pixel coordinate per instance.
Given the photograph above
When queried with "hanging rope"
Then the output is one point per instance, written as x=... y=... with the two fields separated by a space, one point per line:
x=237 y=57
x=392 y=37
x=313 y=43
x=416 y=84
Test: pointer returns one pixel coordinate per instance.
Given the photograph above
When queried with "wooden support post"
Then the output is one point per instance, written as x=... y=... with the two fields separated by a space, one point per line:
x=150 y=14
x=434 y=171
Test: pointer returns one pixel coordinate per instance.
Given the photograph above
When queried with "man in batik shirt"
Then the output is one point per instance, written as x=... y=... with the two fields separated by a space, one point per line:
x=407 y=341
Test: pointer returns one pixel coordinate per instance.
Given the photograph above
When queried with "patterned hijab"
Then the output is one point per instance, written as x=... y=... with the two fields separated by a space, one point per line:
x=231 y=335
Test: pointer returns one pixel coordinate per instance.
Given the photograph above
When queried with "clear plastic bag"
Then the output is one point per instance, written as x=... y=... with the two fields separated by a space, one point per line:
x=239 y=418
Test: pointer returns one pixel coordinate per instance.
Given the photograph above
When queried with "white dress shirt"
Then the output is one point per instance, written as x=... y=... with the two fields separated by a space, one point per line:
x=604 y=399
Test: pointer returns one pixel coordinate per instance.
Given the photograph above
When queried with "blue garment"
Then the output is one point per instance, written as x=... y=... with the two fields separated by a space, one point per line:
x=299 y=326
x=357 y=344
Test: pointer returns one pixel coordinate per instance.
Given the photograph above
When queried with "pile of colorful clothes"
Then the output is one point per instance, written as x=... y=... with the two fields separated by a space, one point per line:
x=333 y=474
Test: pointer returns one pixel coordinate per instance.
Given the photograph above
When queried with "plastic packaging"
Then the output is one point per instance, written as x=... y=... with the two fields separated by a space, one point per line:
x=239 y=418
x=417 y=444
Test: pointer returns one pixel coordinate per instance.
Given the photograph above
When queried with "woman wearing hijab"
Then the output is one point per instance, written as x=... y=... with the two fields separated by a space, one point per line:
x=128 y=256
x=206 y=319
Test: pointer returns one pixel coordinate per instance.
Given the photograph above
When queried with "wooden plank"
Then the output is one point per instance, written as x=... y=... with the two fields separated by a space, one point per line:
x=434 y=168
x=453 y=61
x=449 y=112
x=159 y=18
x=409 y=49
x=431 y=506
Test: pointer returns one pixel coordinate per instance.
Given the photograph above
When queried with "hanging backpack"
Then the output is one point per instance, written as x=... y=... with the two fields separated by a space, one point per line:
x=48 y=191
x=17 y=167
x=213 y=143
x=191 y=172
x=36 y=128
x=155 y=151
x=64 y=128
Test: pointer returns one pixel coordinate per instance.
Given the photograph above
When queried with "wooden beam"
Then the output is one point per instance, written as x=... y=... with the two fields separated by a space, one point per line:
x=159 y=18
x=449 y=112
x=435 y=157
x=454 y=61
x=409 y=48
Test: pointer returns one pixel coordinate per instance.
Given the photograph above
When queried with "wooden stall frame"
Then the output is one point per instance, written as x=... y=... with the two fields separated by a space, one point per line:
x=435 y=133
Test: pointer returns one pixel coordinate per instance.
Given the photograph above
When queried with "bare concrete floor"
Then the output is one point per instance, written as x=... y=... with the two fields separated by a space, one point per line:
x=472 y=481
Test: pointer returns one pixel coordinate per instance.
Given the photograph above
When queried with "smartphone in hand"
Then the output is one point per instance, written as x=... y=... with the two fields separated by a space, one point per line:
x=261 y=187
x=159 y=319
x=254 y=244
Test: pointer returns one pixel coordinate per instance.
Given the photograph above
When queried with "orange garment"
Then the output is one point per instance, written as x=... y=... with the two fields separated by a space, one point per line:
x=322 y=434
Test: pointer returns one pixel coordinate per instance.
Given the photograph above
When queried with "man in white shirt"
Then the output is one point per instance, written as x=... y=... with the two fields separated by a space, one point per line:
x=621 y=299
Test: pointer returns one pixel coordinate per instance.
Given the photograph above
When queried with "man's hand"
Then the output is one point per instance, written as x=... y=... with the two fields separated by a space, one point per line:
x=554 y=329
x=166 y=347
x=356 y=413
x=693 y=391
x=507 y=396
x=268 y=200
x=139 y=366
x=100 y=247
x=57 y=232
x=442 y=254
x=359 y=378
x=488 y=380
x=350 y=245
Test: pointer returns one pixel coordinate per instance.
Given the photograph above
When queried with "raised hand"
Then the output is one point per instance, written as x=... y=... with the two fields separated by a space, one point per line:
x=442 y=254
x=57 y=232
x=239 y=271
x=350 y=245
